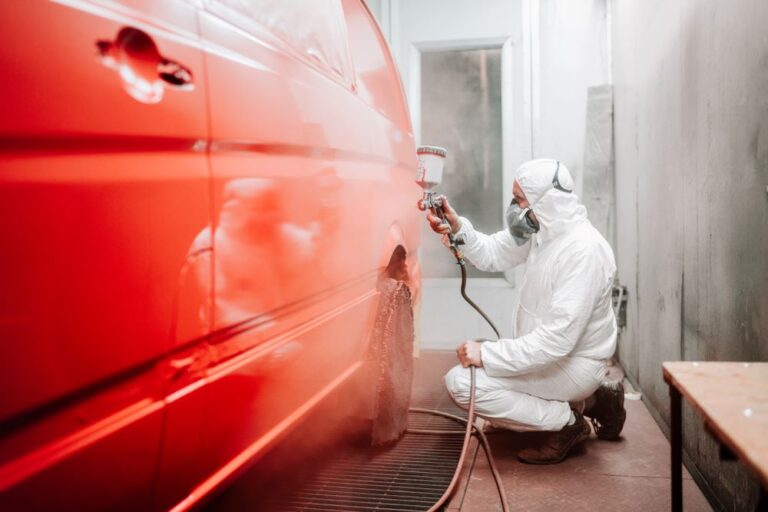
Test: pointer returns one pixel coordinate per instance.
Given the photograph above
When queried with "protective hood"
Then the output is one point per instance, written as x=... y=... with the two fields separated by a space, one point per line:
x=557 y=211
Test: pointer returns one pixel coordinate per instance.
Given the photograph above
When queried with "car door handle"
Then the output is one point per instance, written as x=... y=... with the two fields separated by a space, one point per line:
x=143 y=70
x=174 y=74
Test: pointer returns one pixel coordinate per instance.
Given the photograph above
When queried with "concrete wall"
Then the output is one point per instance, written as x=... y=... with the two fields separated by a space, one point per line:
x=691 y=134
x=570 y=54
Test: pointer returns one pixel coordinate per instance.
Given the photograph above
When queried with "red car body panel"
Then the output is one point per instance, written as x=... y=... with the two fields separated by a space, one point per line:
x=190 y=261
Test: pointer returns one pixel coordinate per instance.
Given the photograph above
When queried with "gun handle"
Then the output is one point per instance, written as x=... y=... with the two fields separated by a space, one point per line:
x=438 y=211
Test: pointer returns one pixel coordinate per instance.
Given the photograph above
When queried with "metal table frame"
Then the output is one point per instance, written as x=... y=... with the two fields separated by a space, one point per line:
x=676 y=448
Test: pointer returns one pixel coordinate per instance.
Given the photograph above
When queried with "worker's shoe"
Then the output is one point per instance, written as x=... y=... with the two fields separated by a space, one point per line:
x=557 y=445
x=608 y=414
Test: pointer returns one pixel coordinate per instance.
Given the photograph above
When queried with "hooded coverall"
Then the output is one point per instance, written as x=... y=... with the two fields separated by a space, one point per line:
x=564 y=329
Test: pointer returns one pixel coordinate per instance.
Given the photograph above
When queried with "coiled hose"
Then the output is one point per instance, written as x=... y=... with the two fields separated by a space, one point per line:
x=471 y=428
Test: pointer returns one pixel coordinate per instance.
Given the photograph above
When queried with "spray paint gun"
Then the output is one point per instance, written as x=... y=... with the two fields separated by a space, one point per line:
x=428 y=176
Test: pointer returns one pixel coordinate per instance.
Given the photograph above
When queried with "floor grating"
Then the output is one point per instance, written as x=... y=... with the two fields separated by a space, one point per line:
x=409 y=476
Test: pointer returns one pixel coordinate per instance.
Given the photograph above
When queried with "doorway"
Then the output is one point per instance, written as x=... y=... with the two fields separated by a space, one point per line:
x=461 y=96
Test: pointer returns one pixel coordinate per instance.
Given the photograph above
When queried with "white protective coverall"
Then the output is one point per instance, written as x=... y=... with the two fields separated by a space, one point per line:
x=564 y=328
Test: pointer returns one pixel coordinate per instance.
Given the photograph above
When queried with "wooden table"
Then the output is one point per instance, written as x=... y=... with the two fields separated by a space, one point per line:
x=732 y=399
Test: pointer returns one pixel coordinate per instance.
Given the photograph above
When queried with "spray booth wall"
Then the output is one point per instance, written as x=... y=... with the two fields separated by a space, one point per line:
x=691 y=136
x=559 y=48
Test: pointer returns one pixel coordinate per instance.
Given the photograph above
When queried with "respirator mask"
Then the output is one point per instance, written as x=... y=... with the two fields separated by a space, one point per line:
x=519 y=221
x=521 y=227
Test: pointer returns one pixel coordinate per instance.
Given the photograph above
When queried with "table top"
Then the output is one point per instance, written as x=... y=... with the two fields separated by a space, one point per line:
x=732 y=398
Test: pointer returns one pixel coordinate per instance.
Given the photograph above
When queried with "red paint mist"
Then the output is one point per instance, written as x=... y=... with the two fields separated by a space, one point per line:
x=189 y=259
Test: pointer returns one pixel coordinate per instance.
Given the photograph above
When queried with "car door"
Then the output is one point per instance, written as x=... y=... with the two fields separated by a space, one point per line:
x=104 y=193
x=294 y=164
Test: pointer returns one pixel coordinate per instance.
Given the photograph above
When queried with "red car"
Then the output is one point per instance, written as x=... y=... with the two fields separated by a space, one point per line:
x=197 y=198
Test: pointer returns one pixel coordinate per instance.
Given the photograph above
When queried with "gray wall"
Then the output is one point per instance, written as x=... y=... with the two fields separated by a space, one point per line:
x=691 y=135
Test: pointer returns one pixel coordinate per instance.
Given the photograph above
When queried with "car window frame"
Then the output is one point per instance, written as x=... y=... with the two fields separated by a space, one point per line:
x=268 y=38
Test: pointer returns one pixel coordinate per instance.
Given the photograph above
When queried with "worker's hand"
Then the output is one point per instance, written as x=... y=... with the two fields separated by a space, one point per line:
x=453 y=223
x=469 y=354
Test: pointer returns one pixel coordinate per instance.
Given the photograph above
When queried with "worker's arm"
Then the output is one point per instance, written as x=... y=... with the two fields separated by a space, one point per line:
x=576 y=289
x=489 y=253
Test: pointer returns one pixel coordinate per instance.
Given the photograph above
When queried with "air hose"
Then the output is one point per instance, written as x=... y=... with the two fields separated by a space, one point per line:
x=471 y=427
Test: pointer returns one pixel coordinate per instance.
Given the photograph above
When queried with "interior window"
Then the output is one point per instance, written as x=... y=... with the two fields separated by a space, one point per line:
x=313 y=30
x=461 y=108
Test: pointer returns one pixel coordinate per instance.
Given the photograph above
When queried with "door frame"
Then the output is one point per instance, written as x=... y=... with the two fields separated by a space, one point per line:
x=516 y=104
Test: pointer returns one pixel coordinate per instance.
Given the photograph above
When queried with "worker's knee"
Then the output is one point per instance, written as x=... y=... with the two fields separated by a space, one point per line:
x=457 y=381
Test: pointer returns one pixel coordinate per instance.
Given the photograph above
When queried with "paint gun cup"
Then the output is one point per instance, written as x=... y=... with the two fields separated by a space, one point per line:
x=430 y=174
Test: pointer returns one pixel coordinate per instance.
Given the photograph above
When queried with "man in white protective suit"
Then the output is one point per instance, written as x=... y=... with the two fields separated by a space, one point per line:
x=564 y=330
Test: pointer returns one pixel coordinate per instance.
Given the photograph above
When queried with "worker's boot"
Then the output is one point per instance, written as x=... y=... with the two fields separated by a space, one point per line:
x=607 y=412
x=556 y=445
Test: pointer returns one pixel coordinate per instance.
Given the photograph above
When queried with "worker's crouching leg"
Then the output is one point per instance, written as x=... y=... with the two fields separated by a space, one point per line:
x=458 y=382
x=497 y=400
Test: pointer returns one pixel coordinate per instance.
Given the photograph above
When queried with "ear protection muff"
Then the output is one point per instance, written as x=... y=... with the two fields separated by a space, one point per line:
x=556 y=181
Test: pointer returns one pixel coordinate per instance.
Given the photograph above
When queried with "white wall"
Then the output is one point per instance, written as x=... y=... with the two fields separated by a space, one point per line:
x=571 y=55
x=448 y=20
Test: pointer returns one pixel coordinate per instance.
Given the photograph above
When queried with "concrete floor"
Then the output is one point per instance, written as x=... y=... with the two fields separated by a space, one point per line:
x=628 y=475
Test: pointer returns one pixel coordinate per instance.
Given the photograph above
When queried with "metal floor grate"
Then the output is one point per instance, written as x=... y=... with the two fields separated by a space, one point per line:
x=326 y=465
x=409 y=476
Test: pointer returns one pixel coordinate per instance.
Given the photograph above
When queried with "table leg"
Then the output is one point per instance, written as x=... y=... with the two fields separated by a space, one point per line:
x=676 y=444
x=762 y=504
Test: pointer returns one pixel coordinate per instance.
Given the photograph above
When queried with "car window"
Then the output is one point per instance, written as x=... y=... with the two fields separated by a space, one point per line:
x=314 y=30
x=376 y=77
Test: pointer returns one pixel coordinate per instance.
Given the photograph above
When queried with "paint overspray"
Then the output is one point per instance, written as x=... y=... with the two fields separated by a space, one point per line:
x=392 y=343
x=387 y=398
x=392 y=349
x=431 y=160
